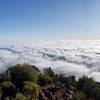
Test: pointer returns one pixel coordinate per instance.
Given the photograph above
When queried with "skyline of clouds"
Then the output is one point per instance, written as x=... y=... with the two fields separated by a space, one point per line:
x=70 y=57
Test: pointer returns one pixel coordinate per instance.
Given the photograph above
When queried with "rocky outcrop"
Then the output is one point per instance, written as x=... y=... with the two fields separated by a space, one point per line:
x=56 y=92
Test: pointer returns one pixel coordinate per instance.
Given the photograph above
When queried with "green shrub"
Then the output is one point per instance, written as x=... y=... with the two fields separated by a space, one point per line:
x=6 y=76
x=8 y=89
x=79 y=96
x=44 y=80
x=31 y=89
x=7 y=84
x=48 y=72
x=20 y=73
x=86 y=85
x=20 y=96
x=96 y=93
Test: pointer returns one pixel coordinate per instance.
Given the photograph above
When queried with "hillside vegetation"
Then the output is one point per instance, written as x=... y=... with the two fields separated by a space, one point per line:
x=26 y=82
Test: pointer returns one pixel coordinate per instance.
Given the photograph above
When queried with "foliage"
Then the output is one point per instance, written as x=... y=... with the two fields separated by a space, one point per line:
x=96 y=93
x=79 y=96
x=20 y=73
x=6 y=76
x=7 y=84
x=20 y=96
x=32 y=89
x=48 y=72
x=70 y=80
x=44 y=80
x=8 y=89
x=24 y=82
x=86 y=85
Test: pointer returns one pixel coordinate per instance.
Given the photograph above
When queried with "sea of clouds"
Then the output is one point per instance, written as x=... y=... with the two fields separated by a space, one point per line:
x=70 y=57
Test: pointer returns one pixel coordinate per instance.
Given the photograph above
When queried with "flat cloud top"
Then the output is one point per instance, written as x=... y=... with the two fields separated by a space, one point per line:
x=71 y=57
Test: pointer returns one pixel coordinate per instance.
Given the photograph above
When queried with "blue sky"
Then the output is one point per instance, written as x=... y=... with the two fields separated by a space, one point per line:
x=40 y=19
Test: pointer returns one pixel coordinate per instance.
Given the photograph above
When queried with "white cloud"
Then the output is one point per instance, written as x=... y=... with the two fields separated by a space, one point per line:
x=72 y=57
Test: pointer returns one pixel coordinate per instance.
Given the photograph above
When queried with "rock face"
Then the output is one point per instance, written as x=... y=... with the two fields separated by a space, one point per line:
x=56 y=92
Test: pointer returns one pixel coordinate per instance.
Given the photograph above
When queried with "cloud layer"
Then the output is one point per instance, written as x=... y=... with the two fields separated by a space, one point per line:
x=71 y=57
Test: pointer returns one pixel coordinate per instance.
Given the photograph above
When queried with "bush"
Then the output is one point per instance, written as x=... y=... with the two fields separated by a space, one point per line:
x=20 y=73
x=6 y=76
x=20 y=96
x=31 y=89
x=48 y=72
x=7 y=84
x=86 y=85
x=79 y=96
x=96 y=93
x=8 y=89
x=44 y=80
